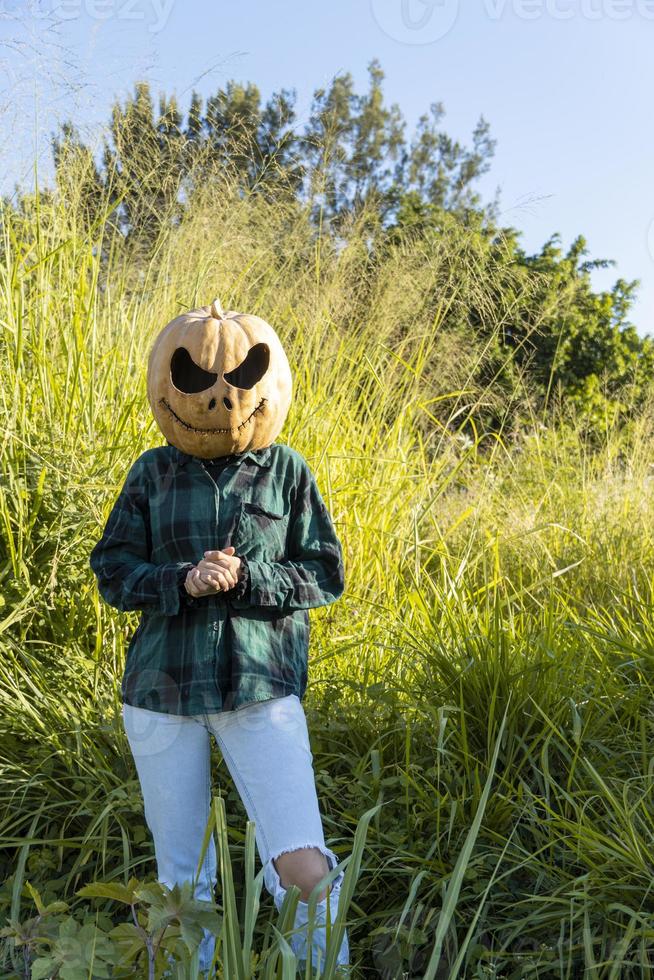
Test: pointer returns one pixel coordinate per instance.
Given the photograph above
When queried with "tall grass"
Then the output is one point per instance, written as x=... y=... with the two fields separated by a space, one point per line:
x=485 y=681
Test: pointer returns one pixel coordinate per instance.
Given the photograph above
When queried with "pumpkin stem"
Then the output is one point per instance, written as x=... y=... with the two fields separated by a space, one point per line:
x=217 y=310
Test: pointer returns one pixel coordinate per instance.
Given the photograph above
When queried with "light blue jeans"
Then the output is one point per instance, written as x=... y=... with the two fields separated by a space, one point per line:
x=266 y=748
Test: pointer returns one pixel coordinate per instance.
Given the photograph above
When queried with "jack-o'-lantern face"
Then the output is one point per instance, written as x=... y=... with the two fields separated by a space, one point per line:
x=219 y=383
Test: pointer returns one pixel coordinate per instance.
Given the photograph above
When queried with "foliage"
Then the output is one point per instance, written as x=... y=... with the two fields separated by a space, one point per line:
x=496 y=630
x=551 y=339
x=166 y=925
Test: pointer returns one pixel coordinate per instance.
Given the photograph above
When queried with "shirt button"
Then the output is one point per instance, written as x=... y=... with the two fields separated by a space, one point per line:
x=215 y=627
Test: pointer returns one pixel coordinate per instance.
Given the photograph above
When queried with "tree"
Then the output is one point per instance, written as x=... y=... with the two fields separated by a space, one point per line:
x=544 y=330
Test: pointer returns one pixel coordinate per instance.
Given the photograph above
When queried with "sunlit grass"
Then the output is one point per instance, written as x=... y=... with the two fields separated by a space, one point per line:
x=498 y=593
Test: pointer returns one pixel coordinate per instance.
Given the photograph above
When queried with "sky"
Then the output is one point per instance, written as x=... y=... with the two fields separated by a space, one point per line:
x=564 y=84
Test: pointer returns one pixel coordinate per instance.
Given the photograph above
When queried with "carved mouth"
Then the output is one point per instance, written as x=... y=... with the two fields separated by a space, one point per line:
x=193 y=428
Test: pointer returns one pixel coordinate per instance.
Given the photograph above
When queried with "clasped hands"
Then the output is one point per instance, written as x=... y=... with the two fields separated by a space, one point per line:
x=218 y=571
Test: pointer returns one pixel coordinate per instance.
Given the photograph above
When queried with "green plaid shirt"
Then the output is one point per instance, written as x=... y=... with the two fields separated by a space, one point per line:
x=220 y=651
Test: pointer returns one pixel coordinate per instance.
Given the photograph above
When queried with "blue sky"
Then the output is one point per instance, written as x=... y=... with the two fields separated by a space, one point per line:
x=565 y=85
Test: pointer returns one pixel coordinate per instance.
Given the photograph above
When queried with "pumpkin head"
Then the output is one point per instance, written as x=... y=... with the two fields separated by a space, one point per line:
x=219 y=383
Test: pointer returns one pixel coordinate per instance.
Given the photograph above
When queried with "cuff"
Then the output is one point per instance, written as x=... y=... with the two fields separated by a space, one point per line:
x=242 y=588
x=169 y=590
x=185 y=600
x=261 y=590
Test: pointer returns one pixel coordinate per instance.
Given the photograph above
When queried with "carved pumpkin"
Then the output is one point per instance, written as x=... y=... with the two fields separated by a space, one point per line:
x=219 y=383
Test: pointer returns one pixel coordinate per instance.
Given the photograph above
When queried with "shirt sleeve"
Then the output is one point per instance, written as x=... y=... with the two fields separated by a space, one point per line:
x=313 y=573
x=186 y=601
x=127 y=579
x=242 y=588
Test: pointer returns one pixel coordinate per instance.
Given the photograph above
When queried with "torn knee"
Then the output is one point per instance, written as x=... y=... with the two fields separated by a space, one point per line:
x=304 y=867
x=296 y=866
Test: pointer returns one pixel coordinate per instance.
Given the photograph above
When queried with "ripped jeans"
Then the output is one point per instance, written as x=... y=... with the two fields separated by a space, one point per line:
x=265 y=746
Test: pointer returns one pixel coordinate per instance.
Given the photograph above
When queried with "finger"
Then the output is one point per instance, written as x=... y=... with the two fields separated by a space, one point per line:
x=206 y=578
x=215 y=566
x=217 y=575
x=221 y=580
x=209 y=578
x=198 y=583
x=218 y=554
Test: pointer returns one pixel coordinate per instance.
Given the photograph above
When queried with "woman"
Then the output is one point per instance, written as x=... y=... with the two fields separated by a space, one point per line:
x=223 y=542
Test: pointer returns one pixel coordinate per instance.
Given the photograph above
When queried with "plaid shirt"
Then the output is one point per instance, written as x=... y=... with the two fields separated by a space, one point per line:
x=224 y=650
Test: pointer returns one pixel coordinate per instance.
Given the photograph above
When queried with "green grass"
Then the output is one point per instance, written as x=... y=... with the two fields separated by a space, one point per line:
x=482 y=691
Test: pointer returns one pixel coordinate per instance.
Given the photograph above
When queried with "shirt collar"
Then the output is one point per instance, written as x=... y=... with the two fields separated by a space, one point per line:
x=263 y=457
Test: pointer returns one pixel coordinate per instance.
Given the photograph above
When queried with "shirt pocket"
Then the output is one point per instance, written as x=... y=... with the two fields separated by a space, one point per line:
x=261 y=532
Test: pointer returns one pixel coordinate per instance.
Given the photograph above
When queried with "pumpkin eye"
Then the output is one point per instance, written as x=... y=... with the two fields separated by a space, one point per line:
x=187 y=376
x=252 y=369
